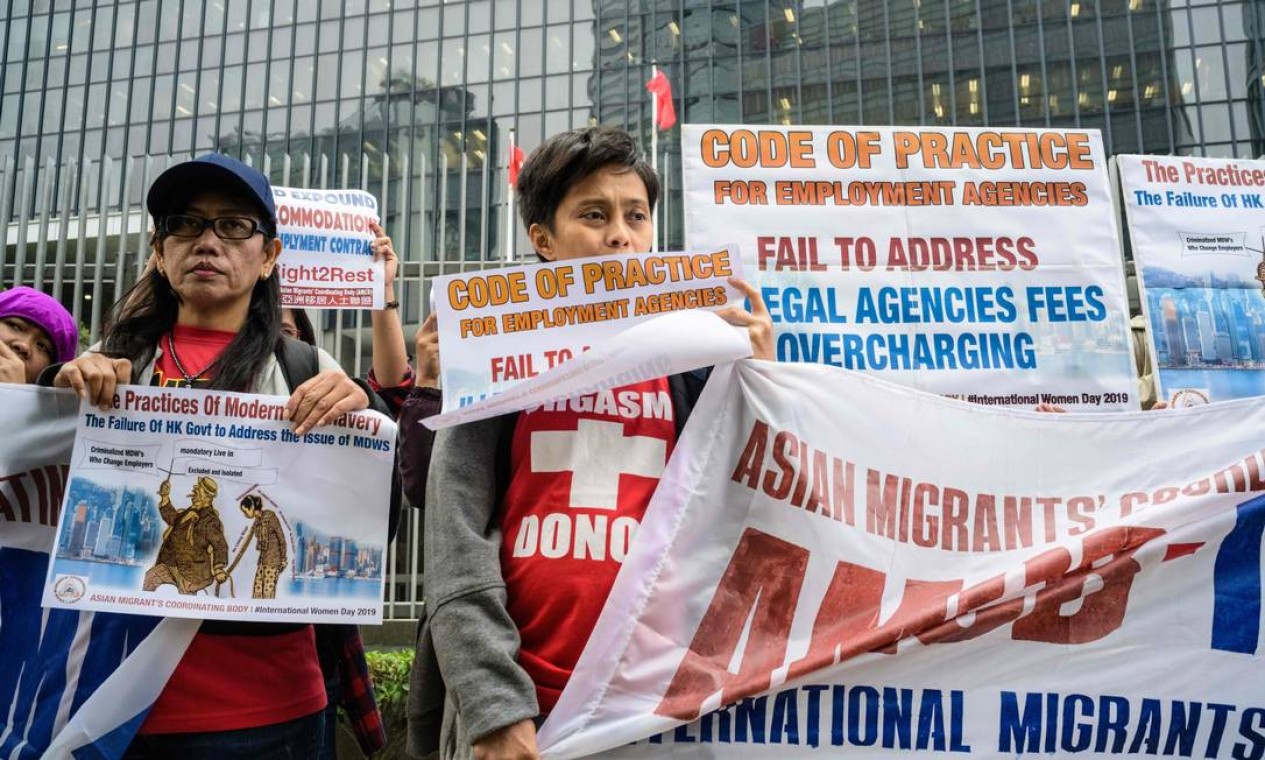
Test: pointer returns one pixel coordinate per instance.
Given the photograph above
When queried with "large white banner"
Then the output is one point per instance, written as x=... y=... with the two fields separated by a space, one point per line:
x=833 y=563
x=70 y=681
x=1197 y=226
x=502 y=327
x=979 y=263
x=205 y=504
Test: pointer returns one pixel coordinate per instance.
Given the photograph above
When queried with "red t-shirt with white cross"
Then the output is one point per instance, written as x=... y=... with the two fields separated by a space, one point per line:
x=582 y=472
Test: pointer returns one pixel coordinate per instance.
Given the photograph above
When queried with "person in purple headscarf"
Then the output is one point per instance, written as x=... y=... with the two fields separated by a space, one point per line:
x=35 y=331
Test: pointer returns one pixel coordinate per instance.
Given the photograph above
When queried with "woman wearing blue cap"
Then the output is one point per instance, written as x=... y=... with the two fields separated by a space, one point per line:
x=209 y=315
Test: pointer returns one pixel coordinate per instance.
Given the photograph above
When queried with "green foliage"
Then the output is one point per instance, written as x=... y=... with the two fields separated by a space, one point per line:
x=390 y=670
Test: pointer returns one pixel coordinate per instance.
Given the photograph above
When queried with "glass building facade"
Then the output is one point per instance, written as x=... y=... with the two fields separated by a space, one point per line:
x=415 y=100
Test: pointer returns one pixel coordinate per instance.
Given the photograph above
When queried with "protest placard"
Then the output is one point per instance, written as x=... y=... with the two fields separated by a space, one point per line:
x=978 y=263
x=1197 y=229
x=836 y=564
x=676 y=342
x=326 y=261
x=499 y=327
x=205 y=504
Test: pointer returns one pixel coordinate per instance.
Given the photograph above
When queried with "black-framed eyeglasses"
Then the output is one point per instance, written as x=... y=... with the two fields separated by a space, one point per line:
x=225 y=227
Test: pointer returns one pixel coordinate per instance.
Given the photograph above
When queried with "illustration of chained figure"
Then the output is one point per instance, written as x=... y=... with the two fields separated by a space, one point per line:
x=193 y=551
x=265 y=529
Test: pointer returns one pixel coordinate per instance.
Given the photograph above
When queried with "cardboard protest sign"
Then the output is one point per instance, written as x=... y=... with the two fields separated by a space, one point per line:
x=205 y=504
x=676 y=342
x=834 y=563
x=1197 y=229
x=977 y=263
x=499 y=327
x=326 y=261
x=73 y=681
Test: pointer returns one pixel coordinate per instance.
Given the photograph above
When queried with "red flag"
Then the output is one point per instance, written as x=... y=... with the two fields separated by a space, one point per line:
x=516 y=163
x=662 y=90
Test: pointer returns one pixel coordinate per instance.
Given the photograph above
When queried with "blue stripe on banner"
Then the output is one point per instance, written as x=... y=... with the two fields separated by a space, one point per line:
x=1236 y=618
x=115 y=636
x=36 y=669
x=33 y=670
x=114 y=744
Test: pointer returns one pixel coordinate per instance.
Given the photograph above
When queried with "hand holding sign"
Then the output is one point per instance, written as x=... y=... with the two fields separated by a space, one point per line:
x=323 y=399
x=94 y=377
x=384 y=252
x=427 y=348
x=757 y=321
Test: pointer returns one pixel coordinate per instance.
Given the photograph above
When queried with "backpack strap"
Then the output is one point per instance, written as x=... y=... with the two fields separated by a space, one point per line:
x=299 y=361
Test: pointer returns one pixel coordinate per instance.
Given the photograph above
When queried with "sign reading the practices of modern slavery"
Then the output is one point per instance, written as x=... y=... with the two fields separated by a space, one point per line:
x=1197 y=226
x=326 y=261
x=979 y=264
x=205 y=504
x=500 y=327
x=836 y=564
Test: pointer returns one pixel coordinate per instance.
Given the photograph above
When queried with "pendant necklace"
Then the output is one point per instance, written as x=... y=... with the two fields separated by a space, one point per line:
x=188 y=377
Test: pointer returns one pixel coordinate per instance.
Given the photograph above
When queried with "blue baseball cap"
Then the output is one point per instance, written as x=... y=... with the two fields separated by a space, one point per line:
x=214 y=171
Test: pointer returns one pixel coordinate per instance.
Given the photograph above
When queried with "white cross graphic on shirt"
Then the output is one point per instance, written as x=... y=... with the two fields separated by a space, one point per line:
x=596 y=453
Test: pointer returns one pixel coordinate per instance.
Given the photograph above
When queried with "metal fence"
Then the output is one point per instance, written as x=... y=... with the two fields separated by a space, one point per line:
x=81 y=234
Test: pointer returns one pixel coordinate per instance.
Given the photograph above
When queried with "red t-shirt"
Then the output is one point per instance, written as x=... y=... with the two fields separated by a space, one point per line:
x=226 y=682
x=582 y=473
x=197 y=350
